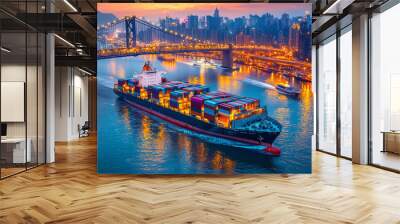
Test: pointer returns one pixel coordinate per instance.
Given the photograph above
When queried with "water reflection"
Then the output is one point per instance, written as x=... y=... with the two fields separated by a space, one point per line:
x=228 y=83
x=147 y=144
x=157 y=143
x=169 y=65
x=145 y=128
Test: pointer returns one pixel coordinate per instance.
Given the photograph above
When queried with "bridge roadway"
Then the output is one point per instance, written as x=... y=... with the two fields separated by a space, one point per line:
x=226 y=50
x=122 y=52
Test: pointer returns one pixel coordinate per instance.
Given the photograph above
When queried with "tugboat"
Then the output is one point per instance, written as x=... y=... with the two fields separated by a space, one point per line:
x=287 y=90
x=194 y=108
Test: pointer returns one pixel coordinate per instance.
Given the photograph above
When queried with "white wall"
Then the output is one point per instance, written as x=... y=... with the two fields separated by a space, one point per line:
x=80 y=112
x=33 y=126
x=16 y=72
x=62 y=82
x=10 y=73
x=71 y=102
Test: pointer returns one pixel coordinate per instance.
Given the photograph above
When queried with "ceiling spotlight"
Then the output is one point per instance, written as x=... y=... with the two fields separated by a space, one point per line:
x=84 y=71
x=70 y=5
x=64 y=40
x=337 y=7
x=5 y=50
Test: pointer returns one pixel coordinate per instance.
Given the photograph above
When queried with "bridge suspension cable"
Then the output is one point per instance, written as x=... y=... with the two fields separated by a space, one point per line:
x=130 y=32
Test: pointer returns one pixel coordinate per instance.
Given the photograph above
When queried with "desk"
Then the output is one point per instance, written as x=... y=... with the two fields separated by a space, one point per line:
x=391 y=141
x=18 y=150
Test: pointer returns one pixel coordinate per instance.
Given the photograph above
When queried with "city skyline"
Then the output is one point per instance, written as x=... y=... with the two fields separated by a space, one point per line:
x=156 y=11
x=287 y=30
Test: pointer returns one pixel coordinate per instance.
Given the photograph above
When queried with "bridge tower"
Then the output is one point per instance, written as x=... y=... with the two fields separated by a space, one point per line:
x=227 y=57
x=130 y=27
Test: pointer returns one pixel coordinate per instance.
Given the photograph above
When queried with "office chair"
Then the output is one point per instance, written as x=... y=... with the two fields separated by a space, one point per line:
x=84 y=130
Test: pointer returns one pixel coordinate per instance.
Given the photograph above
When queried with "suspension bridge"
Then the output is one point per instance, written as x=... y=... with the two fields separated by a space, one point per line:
x=133 y=36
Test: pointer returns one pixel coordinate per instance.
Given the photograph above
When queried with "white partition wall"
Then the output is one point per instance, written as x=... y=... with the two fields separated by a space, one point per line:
x=13 y=87
x=22 y=77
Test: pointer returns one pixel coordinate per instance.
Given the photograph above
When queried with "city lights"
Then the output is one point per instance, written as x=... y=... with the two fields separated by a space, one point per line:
x=252 y=43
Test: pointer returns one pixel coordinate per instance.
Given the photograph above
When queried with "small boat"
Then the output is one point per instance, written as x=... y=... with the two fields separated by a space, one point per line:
x=288 y=90
x=205 y=63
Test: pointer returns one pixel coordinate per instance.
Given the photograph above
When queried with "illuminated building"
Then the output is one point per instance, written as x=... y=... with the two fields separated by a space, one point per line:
x=294 y=37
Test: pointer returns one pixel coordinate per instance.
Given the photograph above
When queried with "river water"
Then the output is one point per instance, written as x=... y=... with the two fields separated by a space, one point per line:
x=132 y=142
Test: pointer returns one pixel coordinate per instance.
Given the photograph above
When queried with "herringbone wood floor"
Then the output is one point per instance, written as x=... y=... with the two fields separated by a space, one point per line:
x=70 y=191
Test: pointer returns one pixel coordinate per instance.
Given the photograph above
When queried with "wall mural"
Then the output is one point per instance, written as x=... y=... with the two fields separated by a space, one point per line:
x=204 y=88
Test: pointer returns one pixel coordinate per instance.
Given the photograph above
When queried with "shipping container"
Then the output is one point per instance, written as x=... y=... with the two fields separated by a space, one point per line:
x=194 y=113
x=195 y=90
x=132 y=82
x=179 y=94
x=213 y=103
x=223 y=120
x=210 y=118
x=209 y=111
x=218 y=93
x=121 y=82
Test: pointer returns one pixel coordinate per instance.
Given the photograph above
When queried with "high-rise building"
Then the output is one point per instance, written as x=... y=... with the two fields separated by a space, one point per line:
x=294 y=36
x=242 y=39
x=212 y=28
x=169 y=23
x=217 y=19
x=216 y=13
x=202 y=22
x=193 y=22
x=253 y=19
x=304 y=52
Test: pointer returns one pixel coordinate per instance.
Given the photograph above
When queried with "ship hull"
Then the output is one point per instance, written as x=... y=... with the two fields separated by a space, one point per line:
x=193 y=124
x=289 y=93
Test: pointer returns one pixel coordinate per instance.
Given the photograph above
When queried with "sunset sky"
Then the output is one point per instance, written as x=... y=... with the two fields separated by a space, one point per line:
x=154 y=11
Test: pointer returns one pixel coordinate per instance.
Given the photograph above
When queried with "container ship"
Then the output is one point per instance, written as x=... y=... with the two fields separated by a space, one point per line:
x=194 y=107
